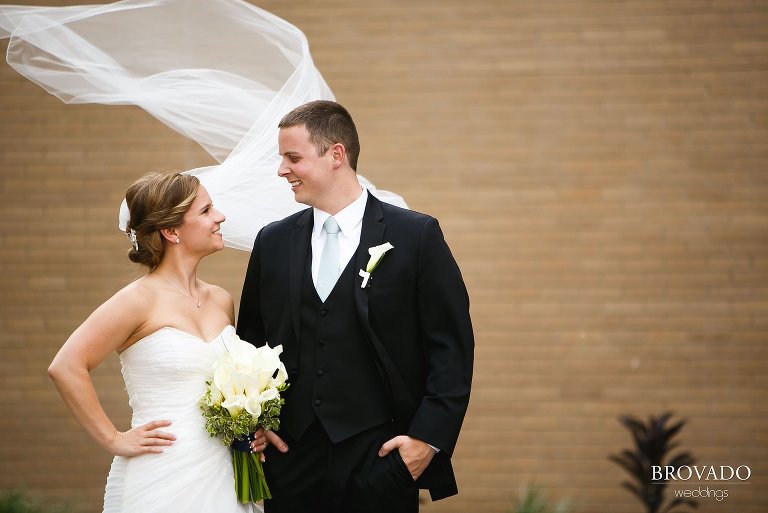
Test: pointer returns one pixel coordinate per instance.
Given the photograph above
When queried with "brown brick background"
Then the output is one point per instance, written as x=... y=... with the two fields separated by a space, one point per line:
x=598 y=167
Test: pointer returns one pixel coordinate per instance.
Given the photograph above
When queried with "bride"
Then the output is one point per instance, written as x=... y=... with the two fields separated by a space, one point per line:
x=166 y=327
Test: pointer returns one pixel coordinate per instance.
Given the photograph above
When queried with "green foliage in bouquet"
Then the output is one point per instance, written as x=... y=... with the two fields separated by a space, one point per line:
x=653 y=445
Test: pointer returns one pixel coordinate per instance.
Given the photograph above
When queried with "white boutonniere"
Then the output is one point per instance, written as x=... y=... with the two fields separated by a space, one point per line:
x=377 y=253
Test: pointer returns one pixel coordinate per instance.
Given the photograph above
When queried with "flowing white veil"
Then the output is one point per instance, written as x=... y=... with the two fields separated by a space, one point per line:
x=220 y=72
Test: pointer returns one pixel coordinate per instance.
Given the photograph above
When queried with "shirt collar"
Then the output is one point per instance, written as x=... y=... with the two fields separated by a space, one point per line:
x=348 y=217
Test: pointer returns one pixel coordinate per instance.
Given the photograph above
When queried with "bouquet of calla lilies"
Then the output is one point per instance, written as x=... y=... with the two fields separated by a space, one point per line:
x=243 y=394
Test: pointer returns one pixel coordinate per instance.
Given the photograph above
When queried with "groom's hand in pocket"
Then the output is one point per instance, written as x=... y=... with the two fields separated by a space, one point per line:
x=416 y=454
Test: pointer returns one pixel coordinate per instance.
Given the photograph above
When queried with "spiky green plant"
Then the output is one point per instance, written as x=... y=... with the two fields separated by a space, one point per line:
x=653 y=447
x=533 y=499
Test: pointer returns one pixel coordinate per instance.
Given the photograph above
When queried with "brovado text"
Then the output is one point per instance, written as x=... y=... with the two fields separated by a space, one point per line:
x=700 y=472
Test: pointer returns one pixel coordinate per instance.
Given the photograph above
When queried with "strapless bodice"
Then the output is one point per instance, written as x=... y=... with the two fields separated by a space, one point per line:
x=165 y=372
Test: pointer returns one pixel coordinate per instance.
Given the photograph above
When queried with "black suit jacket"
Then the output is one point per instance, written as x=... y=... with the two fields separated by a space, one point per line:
x=415 y=312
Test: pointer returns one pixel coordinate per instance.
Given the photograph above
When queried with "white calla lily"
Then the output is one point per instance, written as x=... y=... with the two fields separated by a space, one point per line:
x=377 y=253
x=269 y=394
x=253 y=406
x=215 y=397
x=234 y=405
x=280 y=378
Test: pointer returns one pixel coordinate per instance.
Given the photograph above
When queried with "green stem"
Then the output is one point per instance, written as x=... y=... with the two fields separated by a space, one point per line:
x=250 y=483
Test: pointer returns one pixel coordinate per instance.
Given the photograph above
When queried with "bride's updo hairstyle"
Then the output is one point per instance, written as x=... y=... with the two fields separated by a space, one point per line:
x=156 y=201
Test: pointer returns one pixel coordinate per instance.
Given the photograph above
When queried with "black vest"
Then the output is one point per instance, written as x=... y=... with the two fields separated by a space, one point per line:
x=337 y=380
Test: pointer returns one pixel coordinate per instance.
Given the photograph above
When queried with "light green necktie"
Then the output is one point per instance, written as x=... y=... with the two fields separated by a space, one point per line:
x=329 y=261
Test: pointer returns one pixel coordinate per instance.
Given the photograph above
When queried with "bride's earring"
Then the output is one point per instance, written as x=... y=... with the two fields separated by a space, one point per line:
x=177 y=240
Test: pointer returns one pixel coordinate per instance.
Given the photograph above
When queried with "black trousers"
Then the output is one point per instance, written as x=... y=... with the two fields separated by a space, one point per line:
x=318 y=476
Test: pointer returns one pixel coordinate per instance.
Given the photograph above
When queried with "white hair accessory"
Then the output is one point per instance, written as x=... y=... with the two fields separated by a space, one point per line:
x=122 y=223
x=124 y=217
x=132 y=237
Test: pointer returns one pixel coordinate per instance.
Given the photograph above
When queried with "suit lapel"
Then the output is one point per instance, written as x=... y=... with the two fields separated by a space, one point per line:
x=372 y=234
x=298 y=250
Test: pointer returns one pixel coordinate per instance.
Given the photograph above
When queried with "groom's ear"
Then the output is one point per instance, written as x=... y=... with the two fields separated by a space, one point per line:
x=169 y=234
x=338 y=155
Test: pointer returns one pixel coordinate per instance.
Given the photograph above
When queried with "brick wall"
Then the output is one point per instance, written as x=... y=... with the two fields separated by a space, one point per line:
x=598 y=167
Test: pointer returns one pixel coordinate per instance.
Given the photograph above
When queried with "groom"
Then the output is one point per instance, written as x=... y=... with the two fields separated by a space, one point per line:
x=380 y=374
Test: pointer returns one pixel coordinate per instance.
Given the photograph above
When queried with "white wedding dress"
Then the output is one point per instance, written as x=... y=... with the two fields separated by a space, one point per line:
x=165 y=375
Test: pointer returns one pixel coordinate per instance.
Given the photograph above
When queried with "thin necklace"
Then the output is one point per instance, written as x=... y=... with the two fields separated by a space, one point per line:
x=189 y=295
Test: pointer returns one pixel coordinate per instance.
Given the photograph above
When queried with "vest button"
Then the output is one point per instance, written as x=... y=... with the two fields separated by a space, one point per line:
x=321 y=343
x=323 y=312
x=320 y=372
x=318 y=402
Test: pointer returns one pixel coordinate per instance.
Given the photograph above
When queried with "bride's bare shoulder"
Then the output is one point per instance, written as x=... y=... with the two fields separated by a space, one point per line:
x=137 y=301
x=140 y=291
x=221 y=297
x=215 y=290
x=139 y=298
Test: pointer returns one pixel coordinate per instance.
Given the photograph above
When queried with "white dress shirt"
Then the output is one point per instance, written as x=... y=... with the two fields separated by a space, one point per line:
x=350 y=220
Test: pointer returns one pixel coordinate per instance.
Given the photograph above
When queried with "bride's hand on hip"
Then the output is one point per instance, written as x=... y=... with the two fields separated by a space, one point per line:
x=146 y=439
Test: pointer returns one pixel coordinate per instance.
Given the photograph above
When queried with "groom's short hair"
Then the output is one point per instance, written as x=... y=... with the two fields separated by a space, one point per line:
x=328 y=123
